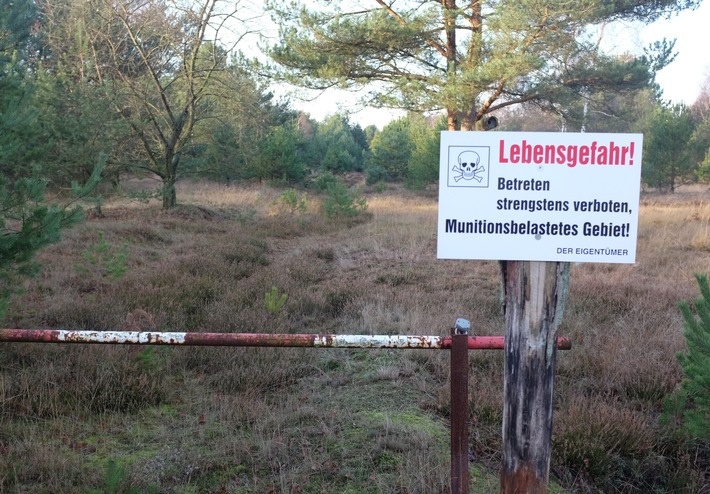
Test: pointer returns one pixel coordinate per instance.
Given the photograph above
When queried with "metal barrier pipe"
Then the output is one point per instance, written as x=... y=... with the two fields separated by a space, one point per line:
x=253 y=339
x=459 y=343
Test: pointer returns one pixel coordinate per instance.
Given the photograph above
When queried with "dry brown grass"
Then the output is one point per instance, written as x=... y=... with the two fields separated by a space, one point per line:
x=185 y=420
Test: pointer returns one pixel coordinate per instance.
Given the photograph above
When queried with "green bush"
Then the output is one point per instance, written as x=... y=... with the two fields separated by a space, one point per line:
x=324 y=181
x=101 y=260
x=376 y=174
x=291 y=202
x=343 y=202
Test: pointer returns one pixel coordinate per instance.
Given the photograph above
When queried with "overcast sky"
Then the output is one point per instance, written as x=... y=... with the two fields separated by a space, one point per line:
x=682 y=79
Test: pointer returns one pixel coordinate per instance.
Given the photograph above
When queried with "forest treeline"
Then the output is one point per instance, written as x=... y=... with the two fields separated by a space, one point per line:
x=152 y=88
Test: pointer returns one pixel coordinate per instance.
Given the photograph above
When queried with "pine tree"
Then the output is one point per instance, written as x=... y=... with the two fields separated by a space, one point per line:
x=467 y=58
x=391 y=149
x=423 y=166
x=669 y=158
x=695 y=388
x=18 y=143
x=27 y=222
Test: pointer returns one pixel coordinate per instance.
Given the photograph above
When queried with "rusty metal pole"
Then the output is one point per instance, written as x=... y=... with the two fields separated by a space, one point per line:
x=459 y=407
x=252 y=339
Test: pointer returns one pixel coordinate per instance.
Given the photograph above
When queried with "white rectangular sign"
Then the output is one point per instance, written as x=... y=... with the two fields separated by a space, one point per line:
x=539 y=196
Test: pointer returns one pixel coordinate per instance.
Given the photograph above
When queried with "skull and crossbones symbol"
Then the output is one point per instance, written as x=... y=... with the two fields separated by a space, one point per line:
x=468 y=167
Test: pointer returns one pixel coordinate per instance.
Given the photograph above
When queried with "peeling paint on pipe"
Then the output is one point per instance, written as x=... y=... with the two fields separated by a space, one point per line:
x=253 y=339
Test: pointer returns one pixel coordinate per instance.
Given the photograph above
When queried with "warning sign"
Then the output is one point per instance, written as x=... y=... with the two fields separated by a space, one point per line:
x=539 y=196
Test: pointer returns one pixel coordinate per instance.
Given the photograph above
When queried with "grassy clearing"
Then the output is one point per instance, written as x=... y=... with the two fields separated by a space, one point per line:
x=83 y=419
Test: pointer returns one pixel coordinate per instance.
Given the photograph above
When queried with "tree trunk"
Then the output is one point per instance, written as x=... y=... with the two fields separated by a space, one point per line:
x=172 y=160
x=451 y=120
x=451 y=63
x=168 y=193
x=535 y=294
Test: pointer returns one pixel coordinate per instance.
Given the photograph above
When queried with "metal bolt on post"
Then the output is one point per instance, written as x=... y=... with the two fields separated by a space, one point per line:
x=459 y=406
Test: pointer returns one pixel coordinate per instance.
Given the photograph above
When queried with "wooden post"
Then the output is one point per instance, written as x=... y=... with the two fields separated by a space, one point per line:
x=534 y=298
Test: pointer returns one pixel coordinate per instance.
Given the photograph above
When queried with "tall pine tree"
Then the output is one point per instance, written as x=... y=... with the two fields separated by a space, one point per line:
x=466 y=58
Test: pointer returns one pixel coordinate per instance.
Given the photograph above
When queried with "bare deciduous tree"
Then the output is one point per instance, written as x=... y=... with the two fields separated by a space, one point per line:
x=158 y=61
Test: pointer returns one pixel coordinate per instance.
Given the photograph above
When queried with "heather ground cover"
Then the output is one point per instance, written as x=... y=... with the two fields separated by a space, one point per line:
x=79 y=419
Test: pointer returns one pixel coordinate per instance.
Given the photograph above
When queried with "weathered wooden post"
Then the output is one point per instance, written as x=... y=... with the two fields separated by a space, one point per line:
x=535 y=294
